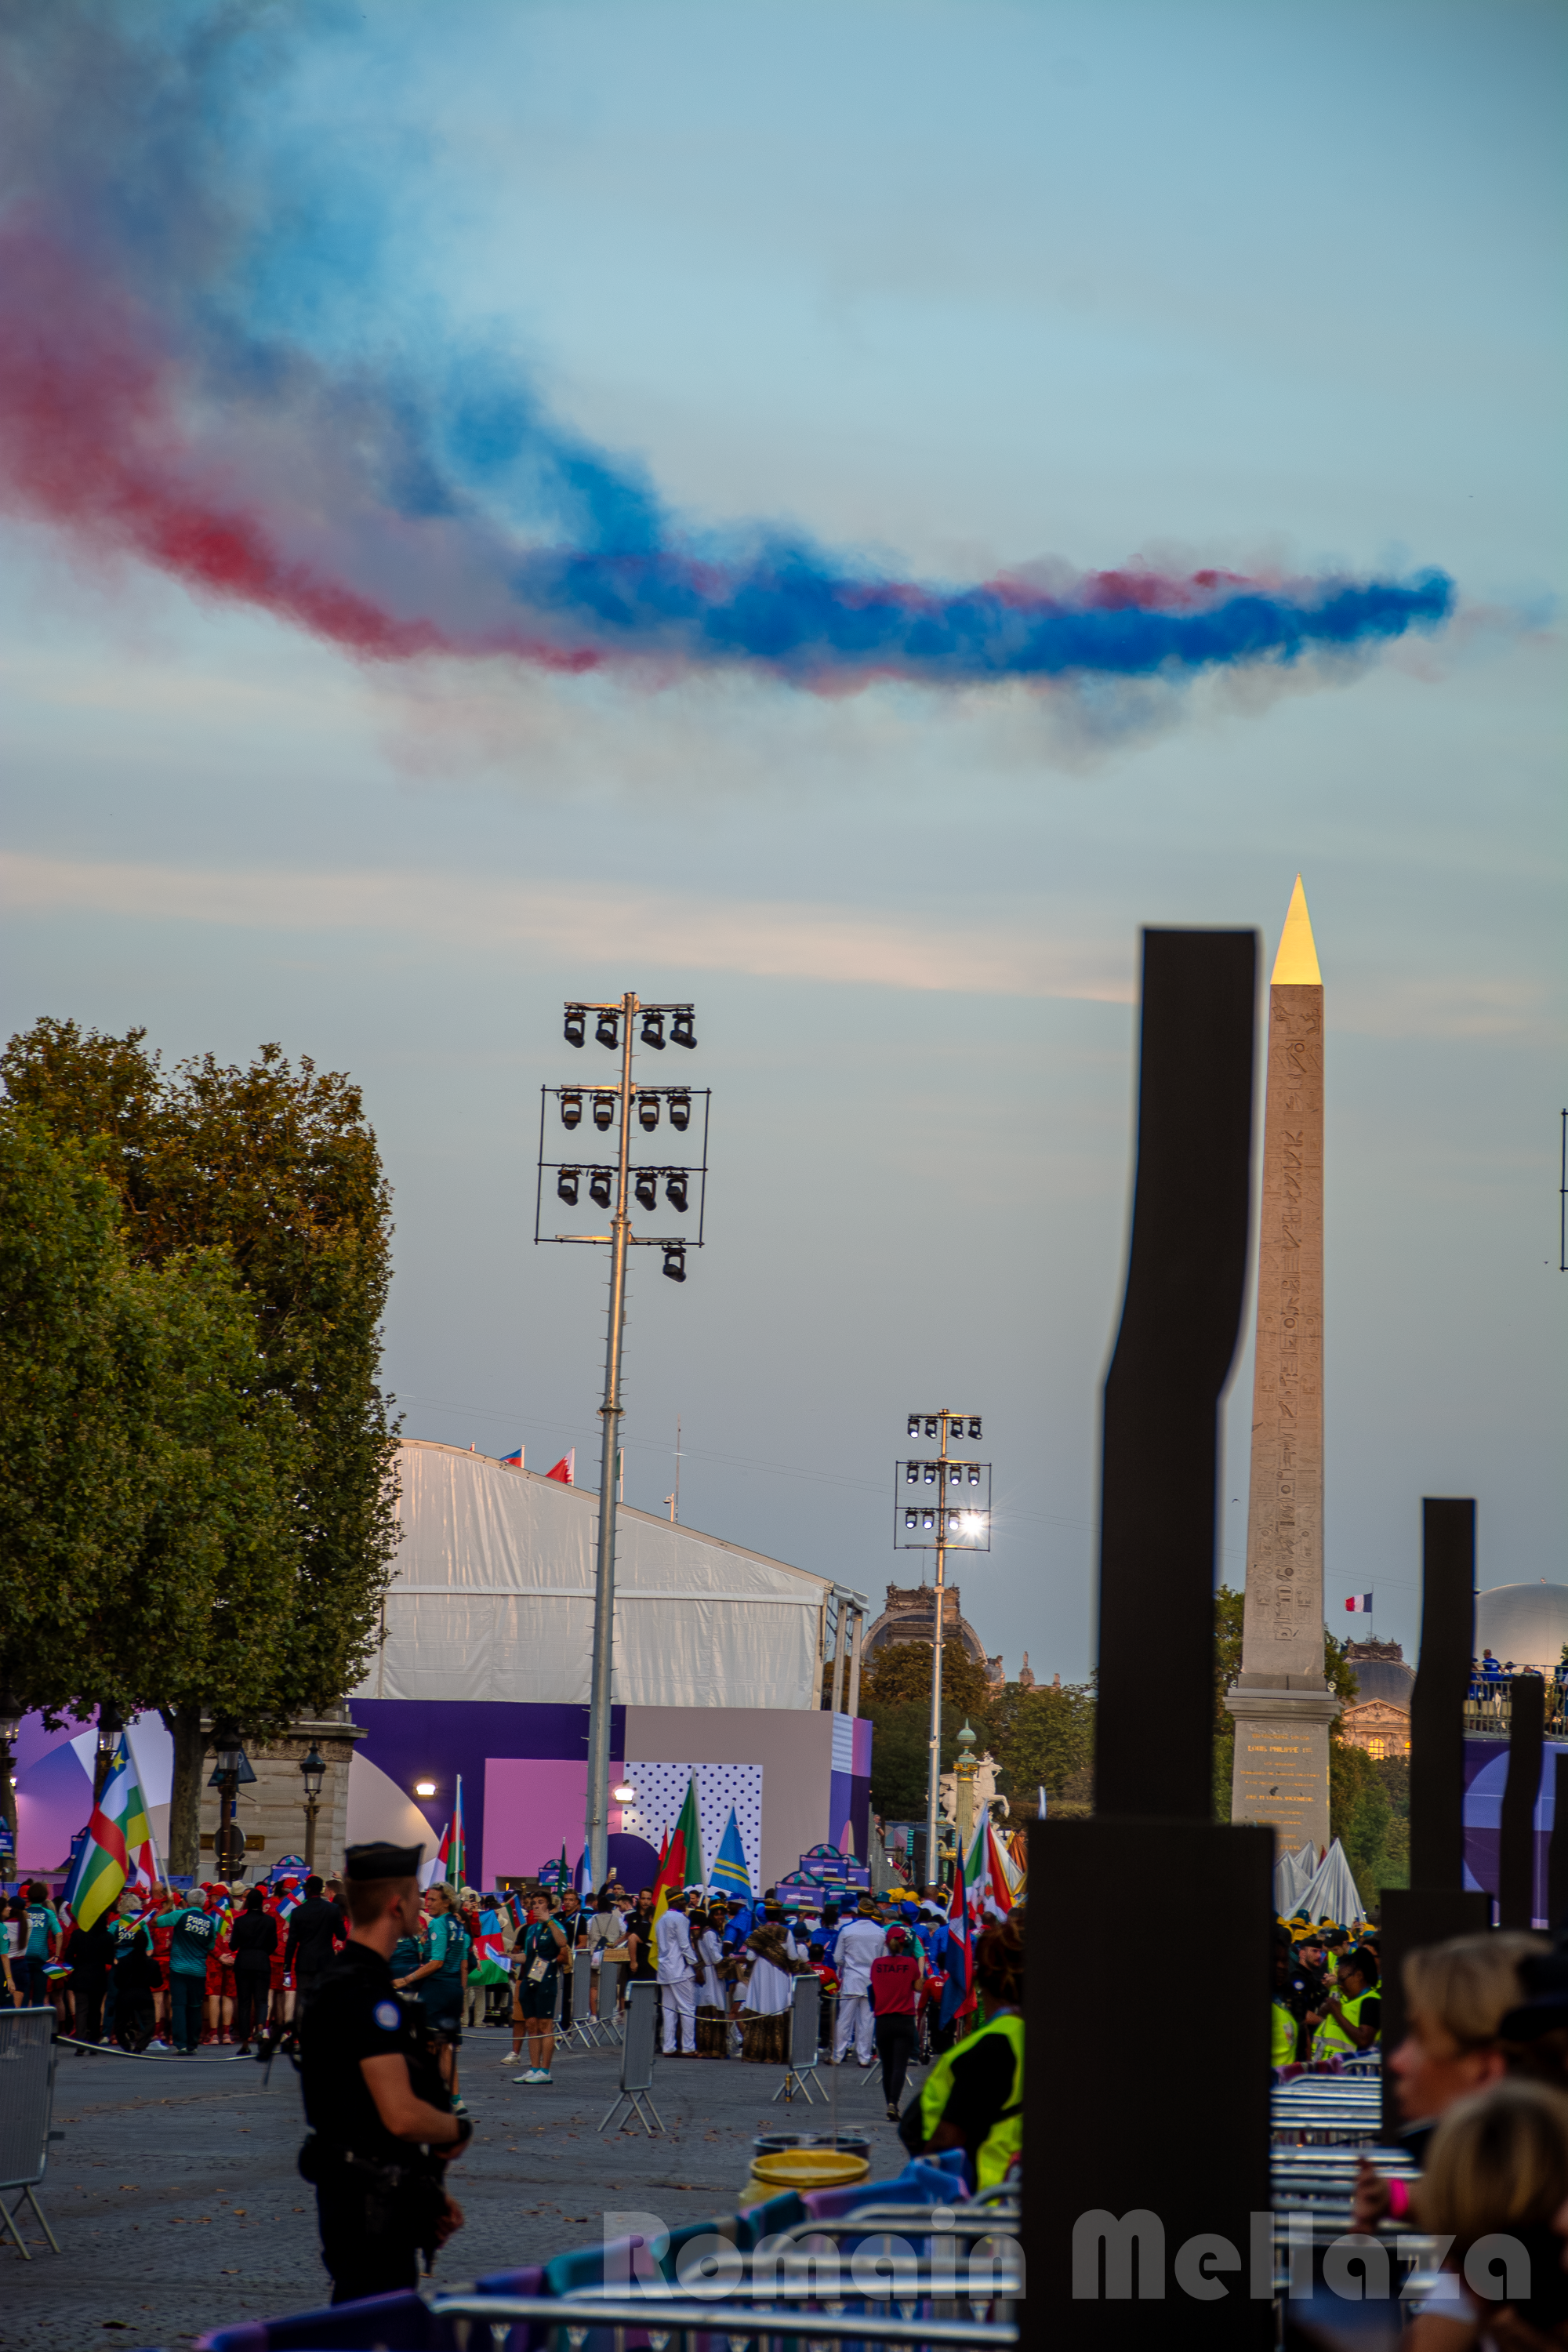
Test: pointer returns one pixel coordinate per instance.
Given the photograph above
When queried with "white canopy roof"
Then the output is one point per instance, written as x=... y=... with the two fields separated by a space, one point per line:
x=492 y=1598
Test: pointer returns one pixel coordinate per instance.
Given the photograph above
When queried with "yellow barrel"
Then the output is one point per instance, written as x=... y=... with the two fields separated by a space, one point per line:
x=802 y=2168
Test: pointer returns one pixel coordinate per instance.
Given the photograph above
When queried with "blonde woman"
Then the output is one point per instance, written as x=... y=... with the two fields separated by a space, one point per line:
x=1496 y=2187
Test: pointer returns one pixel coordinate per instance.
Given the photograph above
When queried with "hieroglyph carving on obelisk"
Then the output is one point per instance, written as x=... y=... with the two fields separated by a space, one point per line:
x=1280 y=1701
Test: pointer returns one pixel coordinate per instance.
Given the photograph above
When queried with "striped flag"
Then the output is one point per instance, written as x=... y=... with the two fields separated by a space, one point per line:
x=681 y=1865
x=454 y=1850
x=1360 y=1604
x=117 y=1834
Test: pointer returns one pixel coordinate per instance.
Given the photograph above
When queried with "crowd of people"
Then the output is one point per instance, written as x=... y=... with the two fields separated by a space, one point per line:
x=1327 y=2007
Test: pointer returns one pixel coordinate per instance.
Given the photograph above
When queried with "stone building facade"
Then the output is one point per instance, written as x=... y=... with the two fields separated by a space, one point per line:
x=270 y=1810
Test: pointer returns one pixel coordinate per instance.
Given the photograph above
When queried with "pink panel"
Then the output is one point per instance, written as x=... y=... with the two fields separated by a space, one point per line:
x=533 y=1808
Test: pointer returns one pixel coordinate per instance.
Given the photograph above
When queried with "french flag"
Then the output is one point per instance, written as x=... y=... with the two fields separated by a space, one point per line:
x=1360 y=1604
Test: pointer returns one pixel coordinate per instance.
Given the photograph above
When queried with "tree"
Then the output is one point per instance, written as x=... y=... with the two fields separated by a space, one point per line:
x=1044 y=1740
x=895 y=1695
x=274 y=1167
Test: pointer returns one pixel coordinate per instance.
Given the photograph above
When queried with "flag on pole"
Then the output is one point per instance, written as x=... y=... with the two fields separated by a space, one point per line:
x=960 y=1940
x=117 y=1829
x=730 y=1874
x=490 y=1949
x=565 y=1469
x=456 y=1855
x=512 y=1461
x=1360 y=1604
x=681 y=1865
x=1001 y=1879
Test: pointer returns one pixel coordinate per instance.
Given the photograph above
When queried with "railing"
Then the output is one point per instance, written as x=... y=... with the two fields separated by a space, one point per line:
x=1488 y=1705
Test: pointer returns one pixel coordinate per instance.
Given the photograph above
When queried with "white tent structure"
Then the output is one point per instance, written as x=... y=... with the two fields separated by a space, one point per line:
x=1332 y=1893
x=1293 y=1873
x=492 y=1598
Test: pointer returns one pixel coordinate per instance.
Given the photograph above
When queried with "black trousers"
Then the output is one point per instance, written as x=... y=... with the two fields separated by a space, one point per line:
x=363 y=2262
x=133 y=2020
x=89 y=1991
x=252 y=1999
x=895 y=2048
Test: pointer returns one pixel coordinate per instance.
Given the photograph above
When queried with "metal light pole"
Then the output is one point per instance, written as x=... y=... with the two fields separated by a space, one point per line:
x=618 y=1024
x=596 y=1824
x=965 y=1527
x=314 y=1768
x=111 y=1724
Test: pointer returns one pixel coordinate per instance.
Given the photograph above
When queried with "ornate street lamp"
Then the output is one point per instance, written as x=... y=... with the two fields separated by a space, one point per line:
x=231 y=1766
x=111 y=1724
x=313 y=1767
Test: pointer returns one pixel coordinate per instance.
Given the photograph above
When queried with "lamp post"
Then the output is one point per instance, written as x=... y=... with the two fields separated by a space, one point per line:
x=313 y=1767
x=615 y=1027
x=12 y=1709
x=957 y=1517
x=232 y=1766
x=111 y=1724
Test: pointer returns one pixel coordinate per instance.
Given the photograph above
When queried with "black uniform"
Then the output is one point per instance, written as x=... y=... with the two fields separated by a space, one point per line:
x=379 y=2198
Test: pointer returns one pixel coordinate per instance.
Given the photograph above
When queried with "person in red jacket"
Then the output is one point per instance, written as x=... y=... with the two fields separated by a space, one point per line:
x=896 y=2000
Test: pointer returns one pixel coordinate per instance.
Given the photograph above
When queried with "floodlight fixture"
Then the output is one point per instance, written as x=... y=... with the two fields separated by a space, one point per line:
x=679 y=1109
x=623 y=1793
x=911 y=1519
x=975 y=1428
x=599 y=1188
x=653 y=1031
x=974 y=1473
x=566 y=1185
x=931 y=1471
x=683 y=1029
x=928 y=1518
x=646 y=1188
x=647 y=1113
x=424 y=1787
x=675 y=1261
x=911 y=1473
x=931 y=1425
x=576 y=1024
x=571 y=1107
x=604 y=1112
x=607 y=1028
x=914 y=1425
x=956 y=1473
x=675 y=1190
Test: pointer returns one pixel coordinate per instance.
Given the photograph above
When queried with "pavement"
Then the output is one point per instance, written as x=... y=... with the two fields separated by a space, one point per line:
x=177 y=2206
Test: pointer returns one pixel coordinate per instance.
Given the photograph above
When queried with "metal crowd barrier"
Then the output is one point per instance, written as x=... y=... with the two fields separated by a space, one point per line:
x=26 y=2105
x=677 y=2326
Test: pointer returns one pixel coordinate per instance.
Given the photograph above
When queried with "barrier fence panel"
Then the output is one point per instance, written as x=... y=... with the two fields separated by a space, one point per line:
x=27 y=2103
x=639 y=2051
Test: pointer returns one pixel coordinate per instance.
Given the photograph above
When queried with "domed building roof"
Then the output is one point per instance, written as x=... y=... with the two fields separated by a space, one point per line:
x=1526 y=1623
x=1385 y=1678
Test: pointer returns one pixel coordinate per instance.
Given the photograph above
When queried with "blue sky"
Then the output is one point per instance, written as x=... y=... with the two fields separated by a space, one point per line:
x=959 y=288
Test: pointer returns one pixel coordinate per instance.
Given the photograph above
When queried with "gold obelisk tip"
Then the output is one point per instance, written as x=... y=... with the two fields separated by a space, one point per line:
x=1296 y=965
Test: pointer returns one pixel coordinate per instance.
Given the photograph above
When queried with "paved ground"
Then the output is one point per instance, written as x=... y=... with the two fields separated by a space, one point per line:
x=175 y=2201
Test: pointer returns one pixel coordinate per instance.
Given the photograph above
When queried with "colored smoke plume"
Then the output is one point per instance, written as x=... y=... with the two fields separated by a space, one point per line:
x=158 y=401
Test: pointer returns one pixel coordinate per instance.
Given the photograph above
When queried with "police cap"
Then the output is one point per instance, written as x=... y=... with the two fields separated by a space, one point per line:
x=383 y=1861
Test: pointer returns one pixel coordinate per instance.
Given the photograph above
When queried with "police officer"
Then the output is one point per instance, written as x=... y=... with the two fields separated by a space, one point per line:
x=382 y=2126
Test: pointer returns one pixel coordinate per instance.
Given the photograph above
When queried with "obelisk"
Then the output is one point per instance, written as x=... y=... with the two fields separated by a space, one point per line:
x=1280 y=1701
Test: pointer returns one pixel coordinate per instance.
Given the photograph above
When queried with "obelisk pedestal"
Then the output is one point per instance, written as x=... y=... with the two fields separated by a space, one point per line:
x=1280 y=1701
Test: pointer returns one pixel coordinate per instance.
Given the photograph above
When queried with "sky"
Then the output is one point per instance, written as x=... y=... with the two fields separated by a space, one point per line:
x=916 y=294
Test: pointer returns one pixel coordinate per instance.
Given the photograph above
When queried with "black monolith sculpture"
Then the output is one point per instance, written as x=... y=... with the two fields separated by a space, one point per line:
x=1100 y=2167
x=1557 y=1852
x=1436 y=1905
x=1516 y=1845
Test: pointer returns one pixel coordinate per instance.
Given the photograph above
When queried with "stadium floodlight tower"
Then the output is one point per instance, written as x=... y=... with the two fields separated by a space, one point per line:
x=941 y=1505
x=620 y=1027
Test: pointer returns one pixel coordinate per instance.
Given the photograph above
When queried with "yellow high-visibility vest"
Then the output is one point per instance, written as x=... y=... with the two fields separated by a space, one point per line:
x=1005 y=2137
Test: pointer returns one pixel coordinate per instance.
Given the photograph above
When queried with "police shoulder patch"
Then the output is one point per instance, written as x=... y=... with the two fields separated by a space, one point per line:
x=388 y=2016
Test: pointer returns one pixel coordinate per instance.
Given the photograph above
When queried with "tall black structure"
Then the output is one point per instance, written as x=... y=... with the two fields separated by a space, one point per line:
x=1516 y=1845
x=1436 y=1904
x=1090 y=2188
x=1556 y=1853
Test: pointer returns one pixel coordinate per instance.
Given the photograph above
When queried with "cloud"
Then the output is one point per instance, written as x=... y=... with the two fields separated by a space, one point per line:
x=767 y=938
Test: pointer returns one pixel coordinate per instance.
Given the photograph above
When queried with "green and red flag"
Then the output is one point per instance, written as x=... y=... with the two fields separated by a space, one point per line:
x=453 y=1854
x=680 y=1865
x=116 y=1834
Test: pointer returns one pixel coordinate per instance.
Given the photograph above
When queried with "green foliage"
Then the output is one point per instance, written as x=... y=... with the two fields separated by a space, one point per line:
x=1044 y=1738
x=258 y=1194
x=1369 y=1813
x=895 y=1696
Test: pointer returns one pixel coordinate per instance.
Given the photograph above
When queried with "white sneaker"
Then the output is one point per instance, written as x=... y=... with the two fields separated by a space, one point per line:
x=509 y=2057
x=533 y=2075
